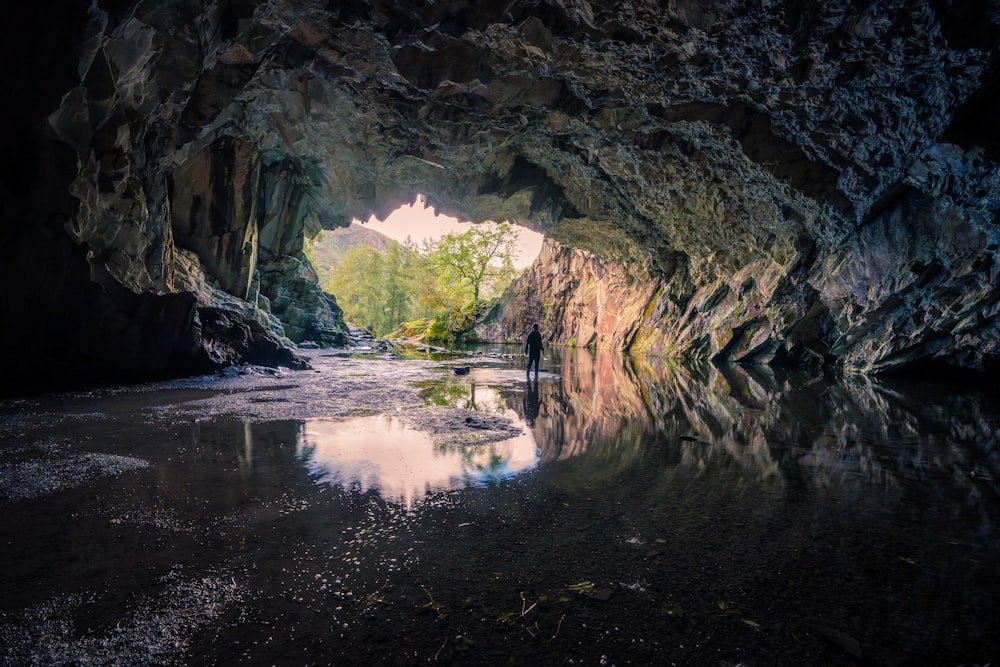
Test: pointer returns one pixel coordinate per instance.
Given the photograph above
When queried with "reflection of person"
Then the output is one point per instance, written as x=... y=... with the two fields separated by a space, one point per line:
x=533 y=348
x=531 y=401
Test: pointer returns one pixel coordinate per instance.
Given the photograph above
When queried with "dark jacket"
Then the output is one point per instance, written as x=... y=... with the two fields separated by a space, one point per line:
x=533 y=345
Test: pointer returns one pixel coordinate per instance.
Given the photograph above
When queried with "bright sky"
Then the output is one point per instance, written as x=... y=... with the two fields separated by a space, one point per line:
x=419 y=222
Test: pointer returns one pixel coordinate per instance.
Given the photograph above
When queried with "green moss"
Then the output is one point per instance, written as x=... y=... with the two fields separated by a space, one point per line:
x=438 y=332
x=414 y=329
x=572 y=342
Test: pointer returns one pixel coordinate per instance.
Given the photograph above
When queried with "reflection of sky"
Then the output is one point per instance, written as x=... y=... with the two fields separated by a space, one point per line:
x=402 y=464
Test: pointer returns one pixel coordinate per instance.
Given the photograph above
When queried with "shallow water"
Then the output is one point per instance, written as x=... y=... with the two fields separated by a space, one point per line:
x=631 y=513
x=402 y=464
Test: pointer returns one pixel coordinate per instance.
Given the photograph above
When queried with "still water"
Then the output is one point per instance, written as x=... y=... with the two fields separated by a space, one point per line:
x=642 y=513
x=402 y=464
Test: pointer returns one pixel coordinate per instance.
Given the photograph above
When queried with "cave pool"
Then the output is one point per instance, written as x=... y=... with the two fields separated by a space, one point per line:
x=641 y=512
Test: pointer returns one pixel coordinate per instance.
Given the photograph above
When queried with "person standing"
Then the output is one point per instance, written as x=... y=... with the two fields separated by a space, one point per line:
x=533 y=348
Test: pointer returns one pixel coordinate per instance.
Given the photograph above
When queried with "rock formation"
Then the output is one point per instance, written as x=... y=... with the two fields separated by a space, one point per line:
x=769 y=181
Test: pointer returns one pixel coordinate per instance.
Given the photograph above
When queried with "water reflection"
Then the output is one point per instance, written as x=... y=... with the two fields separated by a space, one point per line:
x=781 y=431
x=867 y=508
x=402 y=464
x=532 y=403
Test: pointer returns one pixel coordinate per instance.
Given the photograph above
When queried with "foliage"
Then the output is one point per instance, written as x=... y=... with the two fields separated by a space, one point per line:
x=435 y=292
x=478 y=261
x=374 y=289
x=439 y=332
x=414 y=328
x=327 y=249
x=309 y=245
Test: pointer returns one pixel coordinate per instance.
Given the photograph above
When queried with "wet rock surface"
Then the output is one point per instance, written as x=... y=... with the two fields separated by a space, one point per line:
x=689 y=515
x=157 y=617
x=156 y=631
x=790 y=182
x=28 y=479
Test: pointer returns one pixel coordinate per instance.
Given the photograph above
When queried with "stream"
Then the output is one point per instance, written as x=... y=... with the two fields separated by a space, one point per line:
x=384 y=510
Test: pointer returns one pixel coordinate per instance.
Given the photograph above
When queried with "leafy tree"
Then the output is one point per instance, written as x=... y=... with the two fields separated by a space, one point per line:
x=373 y=288
x=477 y=261
x=357 y=283
x=397 y=288
x=442 y=282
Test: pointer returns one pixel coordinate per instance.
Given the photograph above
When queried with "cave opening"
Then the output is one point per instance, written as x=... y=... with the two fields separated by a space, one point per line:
x=752 y=220
x=179 y=181
x=417 y=221
x=418 y=263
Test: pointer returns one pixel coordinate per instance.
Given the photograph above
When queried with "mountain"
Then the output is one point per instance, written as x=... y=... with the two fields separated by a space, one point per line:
x=328 y=248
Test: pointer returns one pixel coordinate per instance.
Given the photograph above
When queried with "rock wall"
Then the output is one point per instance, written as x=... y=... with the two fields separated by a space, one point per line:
x=769 y=181
x=577 y=298
x=915 y=289
x=213 y=204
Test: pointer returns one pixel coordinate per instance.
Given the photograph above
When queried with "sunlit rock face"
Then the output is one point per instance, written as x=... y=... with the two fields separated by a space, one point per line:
x=798 y=182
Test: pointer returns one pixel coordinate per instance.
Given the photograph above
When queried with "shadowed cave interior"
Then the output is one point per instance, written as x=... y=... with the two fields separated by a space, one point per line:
x=781 y=181
x=792 y=185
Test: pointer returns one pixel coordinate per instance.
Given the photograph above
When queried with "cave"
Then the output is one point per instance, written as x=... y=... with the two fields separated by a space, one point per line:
x=759 y=182
x=771 y=248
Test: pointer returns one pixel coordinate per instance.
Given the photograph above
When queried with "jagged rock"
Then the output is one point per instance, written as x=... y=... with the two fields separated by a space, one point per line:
x=799 y=182
x=226 y=341
x=215 y=194
x=295 y=298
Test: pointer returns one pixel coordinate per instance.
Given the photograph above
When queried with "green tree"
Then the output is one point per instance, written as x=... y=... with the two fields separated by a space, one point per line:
x=397 y=287
x=356 y=282
x=441 y=282
x=477 y=261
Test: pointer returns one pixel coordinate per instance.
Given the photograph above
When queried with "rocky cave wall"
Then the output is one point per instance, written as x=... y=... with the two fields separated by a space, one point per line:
x=768 y=181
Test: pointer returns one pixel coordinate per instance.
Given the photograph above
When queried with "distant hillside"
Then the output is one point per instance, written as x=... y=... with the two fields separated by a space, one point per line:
x=326 y=251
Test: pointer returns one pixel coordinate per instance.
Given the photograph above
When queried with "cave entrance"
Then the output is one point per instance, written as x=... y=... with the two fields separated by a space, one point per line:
x=420 y=271
x=418 y=222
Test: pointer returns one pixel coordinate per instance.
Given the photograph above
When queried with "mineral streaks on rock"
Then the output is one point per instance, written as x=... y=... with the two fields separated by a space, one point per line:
x=214 y=210
x=784 y=182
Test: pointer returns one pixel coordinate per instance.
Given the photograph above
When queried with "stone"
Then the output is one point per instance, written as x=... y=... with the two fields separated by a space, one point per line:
x=805 y=183
x=214 y=210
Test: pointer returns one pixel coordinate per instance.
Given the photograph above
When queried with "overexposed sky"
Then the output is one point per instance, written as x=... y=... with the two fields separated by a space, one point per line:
x=419 y=222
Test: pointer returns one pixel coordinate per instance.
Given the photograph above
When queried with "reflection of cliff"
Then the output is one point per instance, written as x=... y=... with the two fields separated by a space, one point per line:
x=598 y=409
x=780 y=430
x=719 y=414
x=617 y=410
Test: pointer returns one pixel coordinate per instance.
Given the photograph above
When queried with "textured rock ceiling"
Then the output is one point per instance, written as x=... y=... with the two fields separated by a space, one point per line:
x=760 y=181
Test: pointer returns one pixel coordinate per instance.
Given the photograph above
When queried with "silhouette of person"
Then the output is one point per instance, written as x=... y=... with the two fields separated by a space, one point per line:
x=533 y=348
x=531 y=401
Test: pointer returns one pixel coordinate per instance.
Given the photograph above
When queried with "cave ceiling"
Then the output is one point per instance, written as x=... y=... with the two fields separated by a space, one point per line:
x=836 y=159
x=631 y=129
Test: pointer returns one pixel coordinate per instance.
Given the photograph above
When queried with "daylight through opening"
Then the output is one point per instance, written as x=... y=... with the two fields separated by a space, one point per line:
x=418 y=274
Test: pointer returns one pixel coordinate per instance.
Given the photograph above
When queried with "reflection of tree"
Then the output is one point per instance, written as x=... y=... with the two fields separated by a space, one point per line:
x=444 y=393
x=488 y=462
x=461 y=394
x=471 y=404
